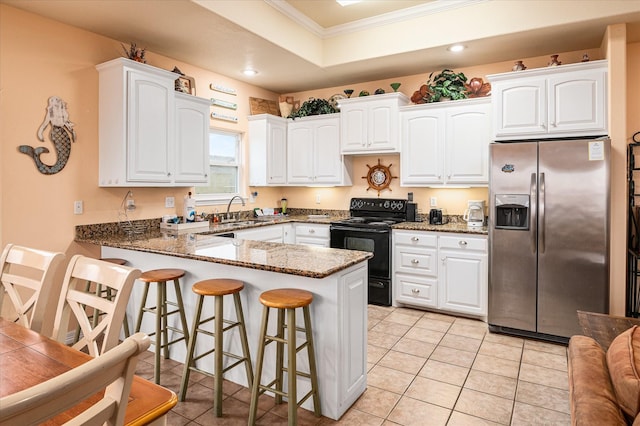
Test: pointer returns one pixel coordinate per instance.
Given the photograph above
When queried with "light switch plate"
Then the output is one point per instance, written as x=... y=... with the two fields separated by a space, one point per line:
x=433 y=202
x=169 y=202
x=78 y=207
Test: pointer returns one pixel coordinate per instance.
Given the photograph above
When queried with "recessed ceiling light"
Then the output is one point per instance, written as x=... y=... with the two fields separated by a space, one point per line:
x=347 y=2
x=249 y=72
x=456 y=48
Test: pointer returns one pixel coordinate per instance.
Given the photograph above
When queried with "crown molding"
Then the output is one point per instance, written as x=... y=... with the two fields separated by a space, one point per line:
x=303 y=20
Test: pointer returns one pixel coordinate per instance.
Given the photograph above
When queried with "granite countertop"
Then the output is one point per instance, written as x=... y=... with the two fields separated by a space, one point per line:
x=458 y=227
x=307 y=261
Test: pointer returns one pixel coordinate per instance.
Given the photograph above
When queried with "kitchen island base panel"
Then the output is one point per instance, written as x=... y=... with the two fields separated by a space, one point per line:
x=339 y=318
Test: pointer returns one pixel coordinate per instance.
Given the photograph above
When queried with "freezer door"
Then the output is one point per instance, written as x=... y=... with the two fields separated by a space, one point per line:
x=512 y=255
x=573 y=239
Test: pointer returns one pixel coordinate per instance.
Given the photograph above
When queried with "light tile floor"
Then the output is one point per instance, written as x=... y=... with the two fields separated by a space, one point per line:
x=423 y=369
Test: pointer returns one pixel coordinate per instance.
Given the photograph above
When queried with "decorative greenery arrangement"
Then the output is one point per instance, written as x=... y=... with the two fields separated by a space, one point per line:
x=134 y=53
x=444 y=85
x=313 y=107
x=447 y=84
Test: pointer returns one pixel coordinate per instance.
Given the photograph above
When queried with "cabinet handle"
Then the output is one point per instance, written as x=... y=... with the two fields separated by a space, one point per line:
x=206 y=175
x=415 y=239
x=462 y=243
x=543 y=126
x=439 y=176
x=415 y=290
x=553 y=124
x=169 y=174
x=415 y=261
x=312 y=231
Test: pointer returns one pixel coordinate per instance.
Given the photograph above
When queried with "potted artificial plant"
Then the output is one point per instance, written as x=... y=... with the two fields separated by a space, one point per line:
x=446 y=85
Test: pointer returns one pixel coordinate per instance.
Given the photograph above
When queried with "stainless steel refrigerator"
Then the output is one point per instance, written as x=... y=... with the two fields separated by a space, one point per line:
x=548 y=235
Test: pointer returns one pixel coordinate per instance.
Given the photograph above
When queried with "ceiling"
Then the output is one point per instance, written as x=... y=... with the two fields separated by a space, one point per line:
x=301 y=45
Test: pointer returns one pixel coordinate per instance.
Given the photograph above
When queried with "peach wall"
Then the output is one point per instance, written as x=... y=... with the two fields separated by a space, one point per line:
x=41 y=58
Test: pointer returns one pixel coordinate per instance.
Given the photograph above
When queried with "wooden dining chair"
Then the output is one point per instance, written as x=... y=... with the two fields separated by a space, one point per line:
x=74 y=301
x=112 y=372
x=27 y=276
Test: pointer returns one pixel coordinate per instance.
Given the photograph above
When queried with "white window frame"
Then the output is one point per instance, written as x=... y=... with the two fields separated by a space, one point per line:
x=219 y=199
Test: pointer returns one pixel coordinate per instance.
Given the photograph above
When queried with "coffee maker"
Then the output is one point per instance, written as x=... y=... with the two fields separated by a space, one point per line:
x=474 y=215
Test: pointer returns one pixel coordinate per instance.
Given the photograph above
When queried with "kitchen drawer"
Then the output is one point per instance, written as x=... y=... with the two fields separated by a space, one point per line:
x=463 y=242
x=416 y=290
x=414 y=260
x=317 y=231
x=415 y=239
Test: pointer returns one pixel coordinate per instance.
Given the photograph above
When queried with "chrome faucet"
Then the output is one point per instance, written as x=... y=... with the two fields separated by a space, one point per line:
x=231 y=201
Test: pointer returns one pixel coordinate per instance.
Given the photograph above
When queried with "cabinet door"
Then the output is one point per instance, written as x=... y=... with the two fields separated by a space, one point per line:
x=353 y=128
x=276 y=153
x=192 y=141
x=422 y=152
x=272 y=233
x=382 y=128
x=463 y=282
x=327 y=160
x=150 y=128
x=300 y=153
x=577 y=103
x=520 y=107
x=467 y=141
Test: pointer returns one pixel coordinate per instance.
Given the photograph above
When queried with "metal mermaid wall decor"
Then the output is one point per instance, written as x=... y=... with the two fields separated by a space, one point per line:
x=62 y=134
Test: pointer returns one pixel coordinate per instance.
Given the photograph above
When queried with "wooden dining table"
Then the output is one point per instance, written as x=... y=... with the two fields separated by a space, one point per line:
x=28 y=358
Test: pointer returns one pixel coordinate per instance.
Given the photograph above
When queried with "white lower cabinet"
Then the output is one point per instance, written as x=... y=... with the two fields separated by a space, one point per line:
x=441 y=271
x=312 y=234
x=270 y=233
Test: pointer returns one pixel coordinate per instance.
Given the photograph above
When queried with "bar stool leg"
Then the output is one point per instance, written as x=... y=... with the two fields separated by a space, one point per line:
x=279 y=356
x=243 y=340
x=218 y=323
x=291 y=368
x=311 y=354
x=141 y=310
x=191 y=350
x=159 y=332
x=255 y=389
x=183 y=318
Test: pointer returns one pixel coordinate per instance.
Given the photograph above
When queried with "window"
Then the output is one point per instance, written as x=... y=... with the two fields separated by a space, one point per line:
x=224 y=167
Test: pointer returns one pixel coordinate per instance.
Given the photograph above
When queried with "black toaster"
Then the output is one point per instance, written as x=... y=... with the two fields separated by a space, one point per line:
x=435 y=217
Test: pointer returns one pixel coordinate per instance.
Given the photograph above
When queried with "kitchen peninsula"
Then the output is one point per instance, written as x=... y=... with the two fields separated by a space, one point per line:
x=337 y=279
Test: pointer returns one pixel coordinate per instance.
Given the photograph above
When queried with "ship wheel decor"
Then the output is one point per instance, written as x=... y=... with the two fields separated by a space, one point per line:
x=379 y=177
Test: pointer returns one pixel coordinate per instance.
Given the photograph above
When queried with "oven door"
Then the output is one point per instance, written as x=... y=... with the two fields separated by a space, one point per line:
x=376 y=241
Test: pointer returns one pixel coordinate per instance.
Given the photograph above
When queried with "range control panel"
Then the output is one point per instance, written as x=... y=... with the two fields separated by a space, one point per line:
x=377 y=205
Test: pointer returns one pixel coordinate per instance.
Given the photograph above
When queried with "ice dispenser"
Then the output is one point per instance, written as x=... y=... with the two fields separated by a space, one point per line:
x=512 y=211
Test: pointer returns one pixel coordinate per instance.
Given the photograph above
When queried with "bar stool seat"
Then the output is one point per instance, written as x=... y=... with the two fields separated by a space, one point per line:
x=104 y=292
x=160 y=310
x=218 y=288
x=286 y=300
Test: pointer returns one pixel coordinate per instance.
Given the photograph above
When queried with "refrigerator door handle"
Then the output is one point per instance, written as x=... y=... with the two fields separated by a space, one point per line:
x=541 y=213
x=533 y=190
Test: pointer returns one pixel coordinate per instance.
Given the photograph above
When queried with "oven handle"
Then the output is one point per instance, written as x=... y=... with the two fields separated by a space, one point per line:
x=350 y=229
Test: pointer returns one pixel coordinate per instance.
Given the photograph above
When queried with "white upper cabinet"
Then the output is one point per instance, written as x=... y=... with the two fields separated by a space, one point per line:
x=192 y=127
x=267 y=150
x=138 y=144
x=313 y=152
x=369 y=124
x=562 y=101
x=446 y=143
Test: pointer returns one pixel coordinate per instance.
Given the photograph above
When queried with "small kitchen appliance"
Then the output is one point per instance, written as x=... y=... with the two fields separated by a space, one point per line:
x=474 y=215
x=435 y=217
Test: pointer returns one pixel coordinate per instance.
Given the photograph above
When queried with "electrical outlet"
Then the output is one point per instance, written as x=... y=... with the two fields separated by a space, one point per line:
x=318 y=198
x=131 y=205
x=77 y=207
x=169 y=202
x=433 y=201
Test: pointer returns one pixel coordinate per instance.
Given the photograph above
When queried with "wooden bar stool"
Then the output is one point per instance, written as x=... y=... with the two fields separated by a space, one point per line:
x=161 y=276
x=217 y=288
x=286 y=300
x=108 y=293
